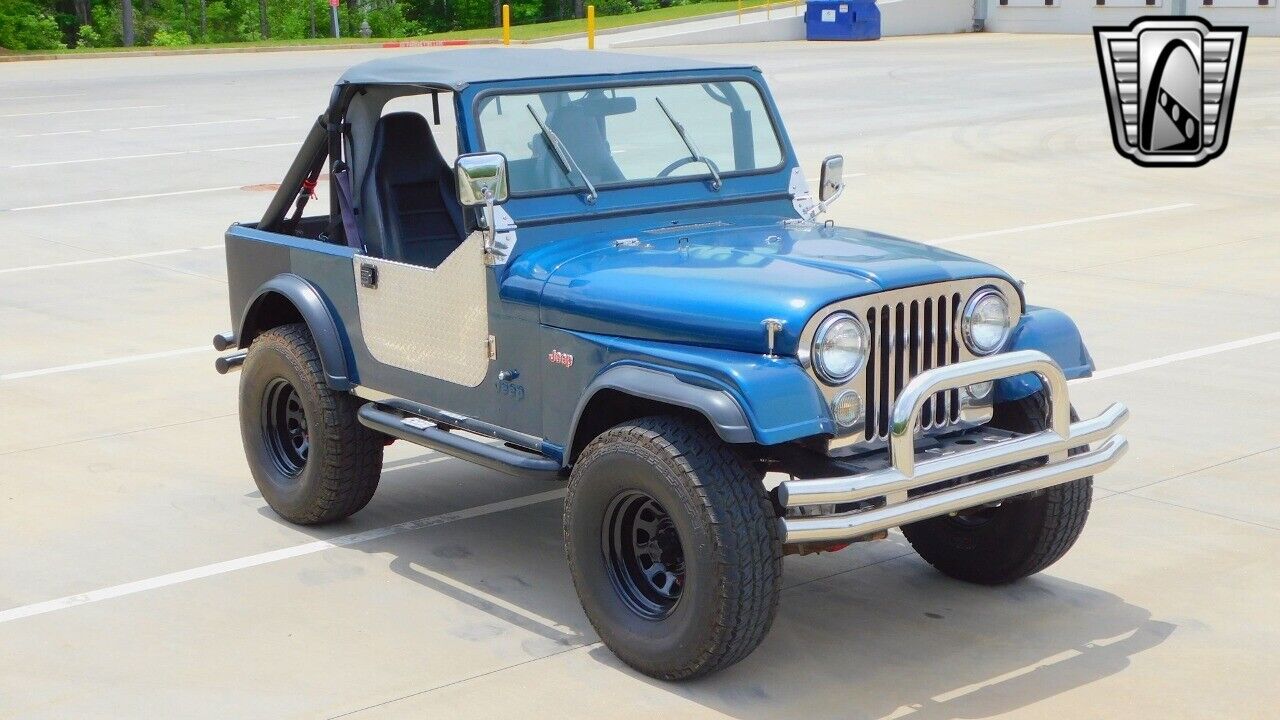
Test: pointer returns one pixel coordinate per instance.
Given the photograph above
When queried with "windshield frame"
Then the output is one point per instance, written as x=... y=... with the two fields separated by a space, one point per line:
x=571 y=85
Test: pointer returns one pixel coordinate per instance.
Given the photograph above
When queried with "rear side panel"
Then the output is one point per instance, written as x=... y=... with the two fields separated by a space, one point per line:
x=262 y=267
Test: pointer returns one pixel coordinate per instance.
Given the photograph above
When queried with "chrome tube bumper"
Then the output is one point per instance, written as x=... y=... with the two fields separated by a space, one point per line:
x=905 y=474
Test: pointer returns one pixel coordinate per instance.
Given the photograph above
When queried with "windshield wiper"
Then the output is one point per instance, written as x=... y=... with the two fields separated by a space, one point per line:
x=693 y=149
x=561 y=152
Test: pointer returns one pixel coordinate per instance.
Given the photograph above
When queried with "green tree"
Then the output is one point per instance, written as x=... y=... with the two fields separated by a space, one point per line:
x=25 y=25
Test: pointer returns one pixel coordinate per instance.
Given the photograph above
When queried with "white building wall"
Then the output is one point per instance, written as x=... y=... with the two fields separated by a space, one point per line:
x=897 y=17
x=925 y=17
x=1080 y=16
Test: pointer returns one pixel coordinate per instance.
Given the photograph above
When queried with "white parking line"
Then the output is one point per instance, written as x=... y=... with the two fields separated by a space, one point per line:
x=1178 y=357
x=86 y=110
x=1060 y=223
x=126 y=197
x=157 y=127
x=227 y=566
x=815 y=181
x=153 y=155
x=112 y=258
x=104 y=363
x=50 y=134
x=39 y=97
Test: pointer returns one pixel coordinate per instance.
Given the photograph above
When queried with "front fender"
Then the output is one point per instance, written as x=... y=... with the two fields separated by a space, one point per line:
x=748 y=397
x=331 y=342
x=1054 y=334
x=652 y=383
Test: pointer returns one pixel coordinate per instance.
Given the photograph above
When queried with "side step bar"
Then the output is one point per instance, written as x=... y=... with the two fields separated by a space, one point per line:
x=420 y=431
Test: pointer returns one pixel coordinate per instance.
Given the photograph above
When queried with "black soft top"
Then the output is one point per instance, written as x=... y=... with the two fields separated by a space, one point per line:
x=456 y=69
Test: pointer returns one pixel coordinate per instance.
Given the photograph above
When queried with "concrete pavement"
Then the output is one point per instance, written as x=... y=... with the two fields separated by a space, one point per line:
x=122 y=477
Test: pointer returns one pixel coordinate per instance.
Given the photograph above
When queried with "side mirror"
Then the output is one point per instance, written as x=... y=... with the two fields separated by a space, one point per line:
x=831 y=181
x=481 y=179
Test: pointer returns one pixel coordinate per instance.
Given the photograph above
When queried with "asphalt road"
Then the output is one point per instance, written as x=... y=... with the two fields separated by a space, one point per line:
x=141 y=574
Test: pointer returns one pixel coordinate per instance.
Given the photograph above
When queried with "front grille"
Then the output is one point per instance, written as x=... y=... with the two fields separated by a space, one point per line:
x=908 y=338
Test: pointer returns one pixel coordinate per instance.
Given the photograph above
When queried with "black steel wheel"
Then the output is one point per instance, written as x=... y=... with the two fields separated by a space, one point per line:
x=284 y=427
x=310 y=456
x=673 y=547
x=643 y=554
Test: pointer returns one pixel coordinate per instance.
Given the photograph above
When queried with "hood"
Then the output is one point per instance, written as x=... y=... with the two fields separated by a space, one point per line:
x=714 y=284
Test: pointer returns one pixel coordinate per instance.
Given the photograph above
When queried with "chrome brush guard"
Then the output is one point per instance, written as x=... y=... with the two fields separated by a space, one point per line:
x=906 y=472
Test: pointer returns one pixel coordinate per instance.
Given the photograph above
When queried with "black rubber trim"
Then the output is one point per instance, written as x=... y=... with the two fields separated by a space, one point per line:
x=720 y=409
x=329 y=340
x=494 y=457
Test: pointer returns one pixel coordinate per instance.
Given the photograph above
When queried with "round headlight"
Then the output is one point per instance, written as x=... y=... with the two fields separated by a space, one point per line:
x=986 y=321
x=839 y=348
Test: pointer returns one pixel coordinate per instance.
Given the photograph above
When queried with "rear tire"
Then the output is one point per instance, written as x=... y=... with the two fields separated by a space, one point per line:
x=310 y=457
x=673 y=547
x=1020 y=537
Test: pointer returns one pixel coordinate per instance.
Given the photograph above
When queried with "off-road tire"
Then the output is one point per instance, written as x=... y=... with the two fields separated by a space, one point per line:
x=727 y=529
x=1023 y=535
x=344 y=459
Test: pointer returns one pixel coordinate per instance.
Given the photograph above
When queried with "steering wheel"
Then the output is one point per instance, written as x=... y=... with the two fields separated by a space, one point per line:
x=666 y=171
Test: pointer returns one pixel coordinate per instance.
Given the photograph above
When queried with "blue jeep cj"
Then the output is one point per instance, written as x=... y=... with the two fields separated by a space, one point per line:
x=622 y=281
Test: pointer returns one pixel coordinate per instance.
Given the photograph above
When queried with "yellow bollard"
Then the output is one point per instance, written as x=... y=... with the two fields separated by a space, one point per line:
x=591 y=27
x=506 y=24
x=739 y=12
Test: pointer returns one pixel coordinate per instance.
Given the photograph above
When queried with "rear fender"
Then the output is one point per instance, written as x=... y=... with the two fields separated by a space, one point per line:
x=263 y=312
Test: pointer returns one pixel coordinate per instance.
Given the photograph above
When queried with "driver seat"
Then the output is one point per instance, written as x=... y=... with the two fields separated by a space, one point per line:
x=413 y=187
x=583 y=132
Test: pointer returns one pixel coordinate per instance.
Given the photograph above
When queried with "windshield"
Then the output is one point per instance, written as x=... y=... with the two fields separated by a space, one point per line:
x=630 y=134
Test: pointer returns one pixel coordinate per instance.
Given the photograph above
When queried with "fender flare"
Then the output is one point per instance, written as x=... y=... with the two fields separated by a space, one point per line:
x=1053 y=333
x=331 y=342
x=716 y=405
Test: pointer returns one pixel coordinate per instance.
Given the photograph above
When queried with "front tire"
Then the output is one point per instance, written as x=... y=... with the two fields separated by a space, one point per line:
x=310 y=457
x=673 y=547
x=1021 y=536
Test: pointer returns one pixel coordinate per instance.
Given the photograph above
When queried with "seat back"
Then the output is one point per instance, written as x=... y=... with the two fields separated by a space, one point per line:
x=583 y=132
x=421 y=221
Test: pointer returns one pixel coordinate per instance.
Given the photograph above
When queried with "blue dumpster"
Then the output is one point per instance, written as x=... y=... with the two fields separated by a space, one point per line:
x=841 y=20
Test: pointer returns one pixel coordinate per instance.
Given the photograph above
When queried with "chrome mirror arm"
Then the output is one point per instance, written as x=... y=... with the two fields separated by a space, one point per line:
x=823 y=206
x=491 y=232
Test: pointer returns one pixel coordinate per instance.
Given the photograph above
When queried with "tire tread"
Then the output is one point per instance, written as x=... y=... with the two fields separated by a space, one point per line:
x=351 y=468
x=747 y=548
x=1063 y=511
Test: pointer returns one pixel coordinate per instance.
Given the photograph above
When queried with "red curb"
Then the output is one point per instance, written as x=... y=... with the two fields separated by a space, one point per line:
x=438 y=43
